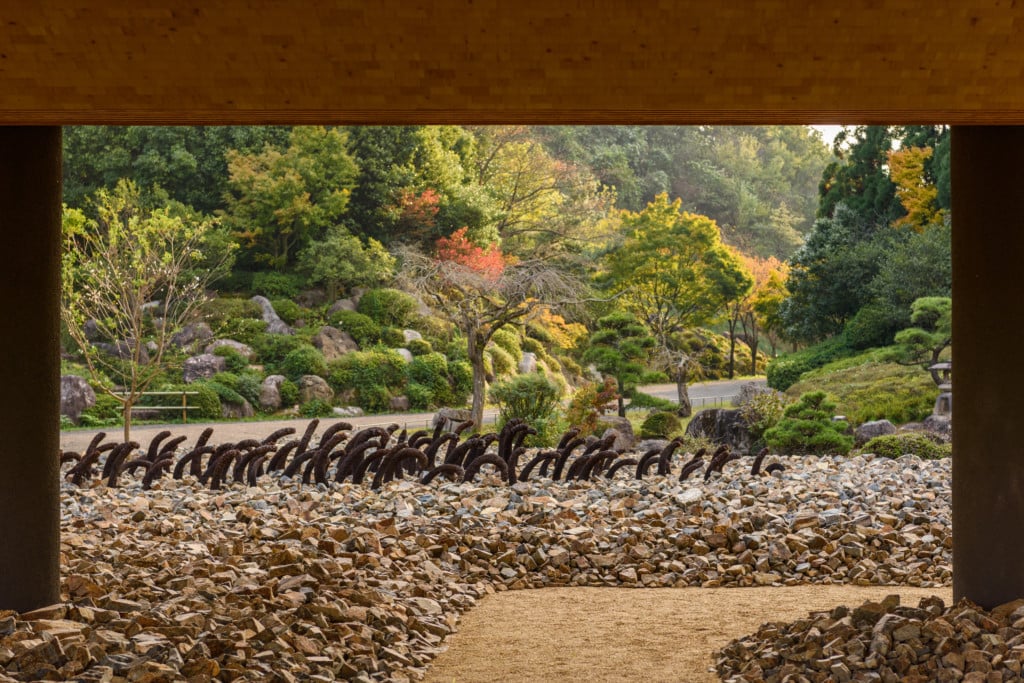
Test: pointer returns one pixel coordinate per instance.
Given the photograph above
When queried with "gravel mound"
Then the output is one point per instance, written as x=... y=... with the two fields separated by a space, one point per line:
x=284 y=582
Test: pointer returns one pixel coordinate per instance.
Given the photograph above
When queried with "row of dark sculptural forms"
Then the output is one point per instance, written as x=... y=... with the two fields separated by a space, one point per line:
x=343 y=455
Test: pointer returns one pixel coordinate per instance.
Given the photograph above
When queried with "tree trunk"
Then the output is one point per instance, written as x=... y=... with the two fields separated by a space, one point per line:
x=685 y=406
x=476 y=360
x=732 y=347
x=622 y=403
x=126 y=414
x=753 y=354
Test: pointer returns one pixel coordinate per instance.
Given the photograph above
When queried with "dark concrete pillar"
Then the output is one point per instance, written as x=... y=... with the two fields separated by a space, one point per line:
x=30 y=201
x=988 y=373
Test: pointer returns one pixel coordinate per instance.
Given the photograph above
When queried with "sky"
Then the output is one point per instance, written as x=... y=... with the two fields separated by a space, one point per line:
x=828 y=132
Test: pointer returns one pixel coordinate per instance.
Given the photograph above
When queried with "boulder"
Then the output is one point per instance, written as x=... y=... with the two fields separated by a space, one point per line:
x=870 y=430
x=750 y=390
x=75 y=396
x=650 y=444
x=193 y=333
x=334 y=343
x=243 y=349
x=203 y=366
x=313 y=386
x=399 y=404
x=406 y=354
x=411 y=335
x=722 y=426
x=940 y=426
x=341 y=305
x=124 y=350
x=311 y=298
x=274 y=323
x=350 y=411
x=453 y=417
x=91 y=329
x=270 y=393
x=621 y=427
x=528 y=364
x=236 y=411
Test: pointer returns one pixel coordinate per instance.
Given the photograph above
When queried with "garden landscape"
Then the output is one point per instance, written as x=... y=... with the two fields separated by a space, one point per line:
x=547 y=272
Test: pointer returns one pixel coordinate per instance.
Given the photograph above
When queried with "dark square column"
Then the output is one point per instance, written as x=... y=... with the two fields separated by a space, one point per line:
x=988 y=372
x=30 y=207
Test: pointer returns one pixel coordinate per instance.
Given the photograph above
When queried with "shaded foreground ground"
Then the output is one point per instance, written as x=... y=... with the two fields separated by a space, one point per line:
x=620 y=634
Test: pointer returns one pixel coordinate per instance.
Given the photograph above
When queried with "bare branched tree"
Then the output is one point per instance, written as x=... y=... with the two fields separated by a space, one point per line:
x=129 y=277
x=479 y=302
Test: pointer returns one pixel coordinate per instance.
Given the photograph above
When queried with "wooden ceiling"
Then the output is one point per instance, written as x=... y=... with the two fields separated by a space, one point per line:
x=598 y=61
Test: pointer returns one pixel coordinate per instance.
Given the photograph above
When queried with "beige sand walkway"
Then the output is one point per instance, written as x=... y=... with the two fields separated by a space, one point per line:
x=598 y=635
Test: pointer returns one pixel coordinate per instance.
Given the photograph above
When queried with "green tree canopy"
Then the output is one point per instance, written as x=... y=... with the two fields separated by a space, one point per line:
x=620 y=348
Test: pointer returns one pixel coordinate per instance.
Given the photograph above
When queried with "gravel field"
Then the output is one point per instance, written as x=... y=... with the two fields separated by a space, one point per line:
x=284 y=582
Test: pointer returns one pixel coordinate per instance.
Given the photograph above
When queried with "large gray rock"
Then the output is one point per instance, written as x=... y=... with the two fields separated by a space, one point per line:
x=75 y=396
x=341 y=305
x=313 y=386
x=193 y=333
x=869 y=430
x=203 y=366
x=406 y=354
x=243 y=349
x=411 y=335
x=399 y=404
x=124 y=350
x=453 y=417
x=940 y=426
x=722 y=426
x=528 y=364
x=236 y=411
x=311 y=298
x=334 y=343
x=270 y=393
x=274 y=323
x=625 y=440
x=750 y=390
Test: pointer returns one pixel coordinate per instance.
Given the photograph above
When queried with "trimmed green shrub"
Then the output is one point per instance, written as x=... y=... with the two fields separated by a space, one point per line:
x=508 y=339
x=207 y=400
x=392 y=337
x=896 y=445
x=502 y=363
x=361 y=370
x=419 y=347
x=807 y=427
x=316 y=408
x=305 y=360
x=289 y=391
x=245 y=330
x=235 y=361
x=271 y=349
x=532 y=397
x=287 y=310
x=388 y=307
x=228 y=379
x=362 y=328
x=225 y=393
x=430 y=371
x=461 y=374
x=271 y=284
x=533 y=346
x=248 y=386
x=105 y=413
x=660 y=424
x=224 y=309
x=373 y=399
x=420 y=397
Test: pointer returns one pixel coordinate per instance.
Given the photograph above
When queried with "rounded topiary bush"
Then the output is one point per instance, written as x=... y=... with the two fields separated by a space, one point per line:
x=419 y=347
x=305 y=360
x=807 y=427
x=271 y=349
x=373 y=399
x=393 y=337
x=289 y=391
x=273 y=284
x=420 y=397
x=908 y=443
x=361 y=370
x=316 y=408
x=248 y=386
x=502 y=362
x=287 y=310
x=660 y=424
x=508 y=339
x=362 y=327
x=234 y=361
x=207 y=401
x=388 y=307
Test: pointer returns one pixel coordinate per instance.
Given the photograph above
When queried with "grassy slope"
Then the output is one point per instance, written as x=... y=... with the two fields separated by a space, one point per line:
x=868 y=387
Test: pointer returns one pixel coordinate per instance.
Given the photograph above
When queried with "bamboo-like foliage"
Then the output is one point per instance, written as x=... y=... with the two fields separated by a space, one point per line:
x=130 y=276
